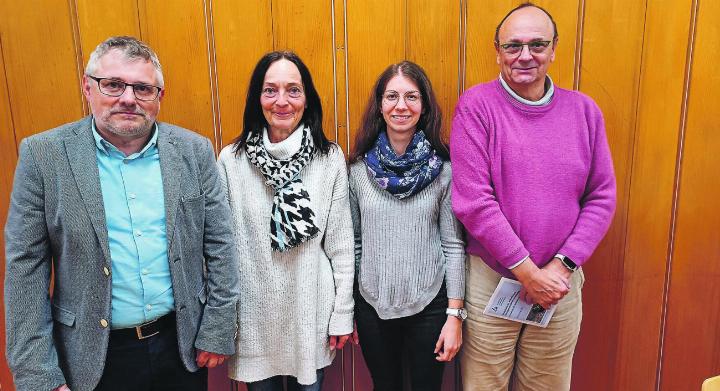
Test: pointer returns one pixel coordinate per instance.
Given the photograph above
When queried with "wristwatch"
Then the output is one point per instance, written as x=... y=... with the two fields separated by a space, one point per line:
x=568 y=263
x=460 y=313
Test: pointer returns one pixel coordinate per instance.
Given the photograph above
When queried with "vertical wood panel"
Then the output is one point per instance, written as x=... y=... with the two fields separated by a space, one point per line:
x=7 y=169
x=177 y=32
x=433 y=43
x=651 y=193
x=41 y=67
x=101 y=19
x=306 y=28
x=376 y=39
x=610 y=74
x=341 y=97
x=480 y=59
x=243 y=33
x=692 y=340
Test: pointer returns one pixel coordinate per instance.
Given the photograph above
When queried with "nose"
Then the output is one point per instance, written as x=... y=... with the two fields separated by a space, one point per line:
x=401 y=104
x=128 y=96
x=525 y=53
x=281 y=99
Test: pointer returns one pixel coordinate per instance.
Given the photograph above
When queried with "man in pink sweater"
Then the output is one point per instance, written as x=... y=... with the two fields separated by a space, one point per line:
x=533 y=184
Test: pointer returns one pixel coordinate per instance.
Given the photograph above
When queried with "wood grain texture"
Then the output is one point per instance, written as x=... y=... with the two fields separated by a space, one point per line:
x=43 y=79
x=433 y=43
x=650 y=206
x=177 y=32
x=480 y=57
x=692 y=340
x=610 y=74
x=8 y=151
x=100 y=19
x=341 y=97
x=632 y=63
x=243 y=34
x=305 y=27
x=376 y=32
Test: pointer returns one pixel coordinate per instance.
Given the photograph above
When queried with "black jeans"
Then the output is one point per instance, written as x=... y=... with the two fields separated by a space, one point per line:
x=386 y=344
x=275 y=383
x=148 y=365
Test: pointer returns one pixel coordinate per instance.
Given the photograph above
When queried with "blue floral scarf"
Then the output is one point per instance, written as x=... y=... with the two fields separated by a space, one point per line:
x=406 y=175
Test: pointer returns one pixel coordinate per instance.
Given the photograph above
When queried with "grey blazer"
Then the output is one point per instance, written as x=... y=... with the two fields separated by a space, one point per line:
x=56 y=222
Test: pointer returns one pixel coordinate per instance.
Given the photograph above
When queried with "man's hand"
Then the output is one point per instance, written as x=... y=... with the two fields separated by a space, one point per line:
x=542 y=286
x=63 y=387
x=556 y=265
x=208 y=359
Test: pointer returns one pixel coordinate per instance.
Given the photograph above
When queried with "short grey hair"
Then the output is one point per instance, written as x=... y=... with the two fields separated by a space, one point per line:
x=131 y=47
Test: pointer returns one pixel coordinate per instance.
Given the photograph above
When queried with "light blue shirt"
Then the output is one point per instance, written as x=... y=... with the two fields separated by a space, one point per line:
x=134 y=203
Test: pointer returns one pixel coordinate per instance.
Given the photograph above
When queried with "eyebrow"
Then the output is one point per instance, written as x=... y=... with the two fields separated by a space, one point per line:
x=515 y=40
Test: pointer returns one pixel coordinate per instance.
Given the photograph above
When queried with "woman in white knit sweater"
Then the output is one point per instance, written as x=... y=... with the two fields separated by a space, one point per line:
x=409 y=250
x=288 y=192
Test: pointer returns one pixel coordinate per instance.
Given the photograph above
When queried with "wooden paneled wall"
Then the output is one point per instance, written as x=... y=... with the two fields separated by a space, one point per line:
x=652 y=292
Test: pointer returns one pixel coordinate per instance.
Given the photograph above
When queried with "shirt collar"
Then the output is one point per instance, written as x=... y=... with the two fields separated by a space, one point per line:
x=549 y=92
x=107 y=148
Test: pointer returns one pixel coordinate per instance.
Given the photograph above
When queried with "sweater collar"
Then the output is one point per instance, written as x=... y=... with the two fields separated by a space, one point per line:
x=285 y=149
x=549 y=92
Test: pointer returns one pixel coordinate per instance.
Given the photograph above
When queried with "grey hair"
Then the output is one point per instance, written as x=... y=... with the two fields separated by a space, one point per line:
x=132 y=48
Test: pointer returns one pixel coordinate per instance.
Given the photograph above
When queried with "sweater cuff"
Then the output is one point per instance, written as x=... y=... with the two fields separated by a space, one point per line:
x=341 y=324
x=516 y=264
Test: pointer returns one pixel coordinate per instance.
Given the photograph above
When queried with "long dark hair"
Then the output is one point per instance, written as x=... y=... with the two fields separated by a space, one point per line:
x=254 y=120
x=373 y=122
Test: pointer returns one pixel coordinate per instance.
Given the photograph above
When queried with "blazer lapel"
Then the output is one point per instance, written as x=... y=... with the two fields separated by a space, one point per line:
x=171 y=169
x=83 y=163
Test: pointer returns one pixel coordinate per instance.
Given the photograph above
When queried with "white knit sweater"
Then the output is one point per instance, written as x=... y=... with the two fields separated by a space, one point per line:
x=290 y=302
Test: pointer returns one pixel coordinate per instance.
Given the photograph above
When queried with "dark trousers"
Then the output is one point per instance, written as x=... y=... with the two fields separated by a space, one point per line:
x=275 y=383
x=149 y=364
x=387 y=344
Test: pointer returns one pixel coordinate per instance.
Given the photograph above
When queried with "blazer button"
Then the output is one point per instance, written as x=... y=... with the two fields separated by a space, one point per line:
x=106 y=271
x=103 y=323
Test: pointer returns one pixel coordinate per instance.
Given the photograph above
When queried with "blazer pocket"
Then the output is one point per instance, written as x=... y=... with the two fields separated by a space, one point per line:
x=63 y=316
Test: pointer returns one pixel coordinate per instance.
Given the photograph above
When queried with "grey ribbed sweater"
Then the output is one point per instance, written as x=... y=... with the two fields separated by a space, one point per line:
x=405 y=248
x=290 y=302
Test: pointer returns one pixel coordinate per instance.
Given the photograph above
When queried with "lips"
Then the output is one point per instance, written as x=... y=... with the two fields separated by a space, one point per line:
x=284 y=115
x=128 y=113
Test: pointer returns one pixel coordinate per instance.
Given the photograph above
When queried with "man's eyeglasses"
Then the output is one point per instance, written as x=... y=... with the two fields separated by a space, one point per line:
x=392 y=98
x=115 y=88
x=515 y=48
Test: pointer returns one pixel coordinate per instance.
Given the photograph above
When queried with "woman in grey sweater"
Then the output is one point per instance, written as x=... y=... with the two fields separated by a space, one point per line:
x=409 y=252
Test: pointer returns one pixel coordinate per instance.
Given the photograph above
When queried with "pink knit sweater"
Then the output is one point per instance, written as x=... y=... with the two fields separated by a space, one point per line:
x=530 y=180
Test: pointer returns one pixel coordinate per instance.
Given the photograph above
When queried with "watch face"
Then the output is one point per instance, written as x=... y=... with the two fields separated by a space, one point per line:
x=463 y=313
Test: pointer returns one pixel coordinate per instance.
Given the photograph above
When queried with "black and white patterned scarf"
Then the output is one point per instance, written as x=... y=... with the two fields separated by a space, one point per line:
x=292 y=221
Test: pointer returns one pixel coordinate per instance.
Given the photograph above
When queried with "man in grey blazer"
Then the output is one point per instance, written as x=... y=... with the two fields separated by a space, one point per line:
x=129 y=217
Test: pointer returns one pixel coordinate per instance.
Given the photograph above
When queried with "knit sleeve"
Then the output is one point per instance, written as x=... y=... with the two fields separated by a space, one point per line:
x=474 y=201
x=453 y=247
x=338 y=245
x=597 y=205
x=355 y=212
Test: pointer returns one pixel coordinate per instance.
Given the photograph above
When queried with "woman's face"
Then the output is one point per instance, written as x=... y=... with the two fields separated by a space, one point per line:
x=401 y=105
x=282 y=97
